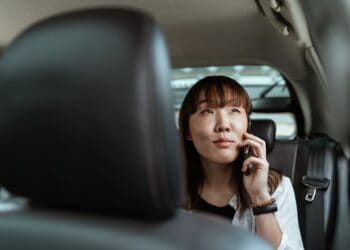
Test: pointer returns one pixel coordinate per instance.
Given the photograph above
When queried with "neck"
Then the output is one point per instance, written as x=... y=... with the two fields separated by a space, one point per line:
x=217 y=189
x=217 y=176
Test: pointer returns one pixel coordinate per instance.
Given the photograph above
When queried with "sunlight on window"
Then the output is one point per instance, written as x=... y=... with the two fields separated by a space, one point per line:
x=260 y=81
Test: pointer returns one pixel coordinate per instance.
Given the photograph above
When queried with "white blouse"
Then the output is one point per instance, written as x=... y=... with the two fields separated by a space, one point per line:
x=286 y=215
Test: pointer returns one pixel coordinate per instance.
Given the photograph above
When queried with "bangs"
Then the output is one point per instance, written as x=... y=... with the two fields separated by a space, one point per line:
x=220 y=94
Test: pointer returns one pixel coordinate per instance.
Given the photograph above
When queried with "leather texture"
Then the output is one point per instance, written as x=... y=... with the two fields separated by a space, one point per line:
x=87 y=134
x=86 y=116
x=317 y=157
x=69 y=231
x=342 y=230
x=283 y=157
x=266 y=130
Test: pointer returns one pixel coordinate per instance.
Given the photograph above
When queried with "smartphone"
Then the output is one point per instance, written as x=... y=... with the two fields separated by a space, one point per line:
x=246 y=151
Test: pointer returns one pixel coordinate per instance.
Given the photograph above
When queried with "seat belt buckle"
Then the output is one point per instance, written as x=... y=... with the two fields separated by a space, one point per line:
x=312 y=185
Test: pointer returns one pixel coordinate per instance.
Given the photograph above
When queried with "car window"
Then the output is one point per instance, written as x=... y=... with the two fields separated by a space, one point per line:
x=260 y=81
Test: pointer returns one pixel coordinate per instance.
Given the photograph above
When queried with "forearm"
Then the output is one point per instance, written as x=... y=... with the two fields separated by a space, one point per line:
x=266 y=224
x=267 y=227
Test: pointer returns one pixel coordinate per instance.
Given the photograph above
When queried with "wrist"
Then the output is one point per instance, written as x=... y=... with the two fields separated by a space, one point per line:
x=260 y=198
x=269 y=206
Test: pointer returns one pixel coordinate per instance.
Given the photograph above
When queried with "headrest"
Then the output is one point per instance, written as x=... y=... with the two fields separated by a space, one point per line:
x=85 y=115
x=266 y=130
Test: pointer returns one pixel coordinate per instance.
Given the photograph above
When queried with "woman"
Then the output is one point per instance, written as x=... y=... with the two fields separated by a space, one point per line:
x=214 y=120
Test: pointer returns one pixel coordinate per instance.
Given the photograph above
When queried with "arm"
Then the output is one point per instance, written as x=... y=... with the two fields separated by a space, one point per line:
x=266 y=225
x=285 y=219
x=274 y=227
x=256 y=170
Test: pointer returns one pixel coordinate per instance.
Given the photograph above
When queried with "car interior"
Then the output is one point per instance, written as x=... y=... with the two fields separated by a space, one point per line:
x=90 y=153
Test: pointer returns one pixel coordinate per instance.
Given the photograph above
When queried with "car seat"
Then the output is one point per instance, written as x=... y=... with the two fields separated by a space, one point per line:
x=87 y=137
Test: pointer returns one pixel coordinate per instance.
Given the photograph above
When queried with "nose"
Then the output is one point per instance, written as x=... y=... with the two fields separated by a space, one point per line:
x=222 y=128
x=222 y=124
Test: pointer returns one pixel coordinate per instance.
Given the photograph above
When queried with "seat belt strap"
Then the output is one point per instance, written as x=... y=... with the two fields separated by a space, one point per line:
x=316 y=184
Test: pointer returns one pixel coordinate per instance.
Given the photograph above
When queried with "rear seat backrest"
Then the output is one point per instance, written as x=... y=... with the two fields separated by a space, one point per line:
x=280 y=154
x=98 y=175
x=294 y=158
x=316 y=158
x=283 y=157
x=266 y=130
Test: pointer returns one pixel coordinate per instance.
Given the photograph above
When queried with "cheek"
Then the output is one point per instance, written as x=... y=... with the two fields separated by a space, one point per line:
x=199 y=133
x=199 y=129
x=241 y=127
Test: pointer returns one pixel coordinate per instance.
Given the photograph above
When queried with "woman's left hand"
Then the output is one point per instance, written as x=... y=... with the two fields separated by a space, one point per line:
x=257 y=166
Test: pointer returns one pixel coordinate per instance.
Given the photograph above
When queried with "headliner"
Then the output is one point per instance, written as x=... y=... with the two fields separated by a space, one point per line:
x=199 y=32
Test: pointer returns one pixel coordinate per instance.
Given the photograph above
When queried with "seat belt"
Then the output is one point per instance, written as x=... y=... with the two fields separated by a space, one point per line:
x=319 y=157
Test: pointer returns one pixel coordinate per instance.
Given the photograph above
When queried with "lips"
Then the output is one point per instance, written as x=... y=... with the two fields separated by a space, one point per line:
x=223 y=142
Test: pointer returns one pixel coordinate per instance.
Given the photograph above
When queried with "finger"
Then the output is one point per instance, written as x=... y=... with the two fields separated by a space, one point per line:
x=254 y=162
x=250 y=162
x=255 y=138
x=256 y=148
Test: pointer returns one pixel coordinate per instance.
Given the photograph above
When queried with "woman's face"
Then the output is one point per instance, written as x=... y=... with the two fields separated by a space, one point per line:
x=216 y=131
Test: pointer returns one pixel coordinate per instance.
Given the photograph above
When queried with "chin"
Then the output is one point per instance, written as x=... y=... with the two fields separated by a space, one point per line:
x=225 y=159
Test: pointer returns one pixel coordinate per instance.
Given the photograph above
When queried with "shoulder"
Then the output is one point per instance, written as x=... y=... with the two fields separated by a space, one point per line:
x=283 y=188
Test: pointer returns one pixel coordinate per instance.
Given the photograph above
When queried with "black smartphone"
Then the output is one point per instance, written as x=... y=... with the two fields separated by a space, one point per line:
x=246 y=151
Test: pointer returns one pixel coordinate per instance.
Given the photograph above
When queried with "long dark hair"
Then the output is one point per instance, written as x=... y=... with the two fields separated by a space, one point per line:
x=218 y=91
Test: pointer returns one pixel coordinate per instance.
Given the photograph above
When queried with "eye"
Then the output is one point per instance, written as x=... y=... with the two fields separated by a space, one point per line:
x=207 y=111
x=234 y=110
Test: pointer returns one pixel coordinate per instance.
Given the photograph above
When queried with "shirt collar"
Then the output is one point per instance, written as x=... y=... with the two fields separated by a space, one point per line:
x=233 y=202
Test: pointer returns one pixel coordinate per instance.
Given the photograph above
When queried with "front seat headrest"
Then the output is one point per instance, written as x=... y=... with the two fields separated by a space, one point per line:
x=266 y=130
x=85 y=115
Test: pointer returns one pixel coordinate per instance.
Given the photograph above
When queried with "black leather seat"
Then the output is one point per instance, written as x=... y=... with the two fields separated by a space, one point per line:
x=281 y=154
x=87 y=136
x=316 y=158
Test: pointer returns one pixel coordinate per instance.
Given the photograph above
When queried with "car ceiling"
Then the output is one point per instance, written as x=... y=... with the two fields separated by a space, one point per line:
x=198 y=31
x=207 y=32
